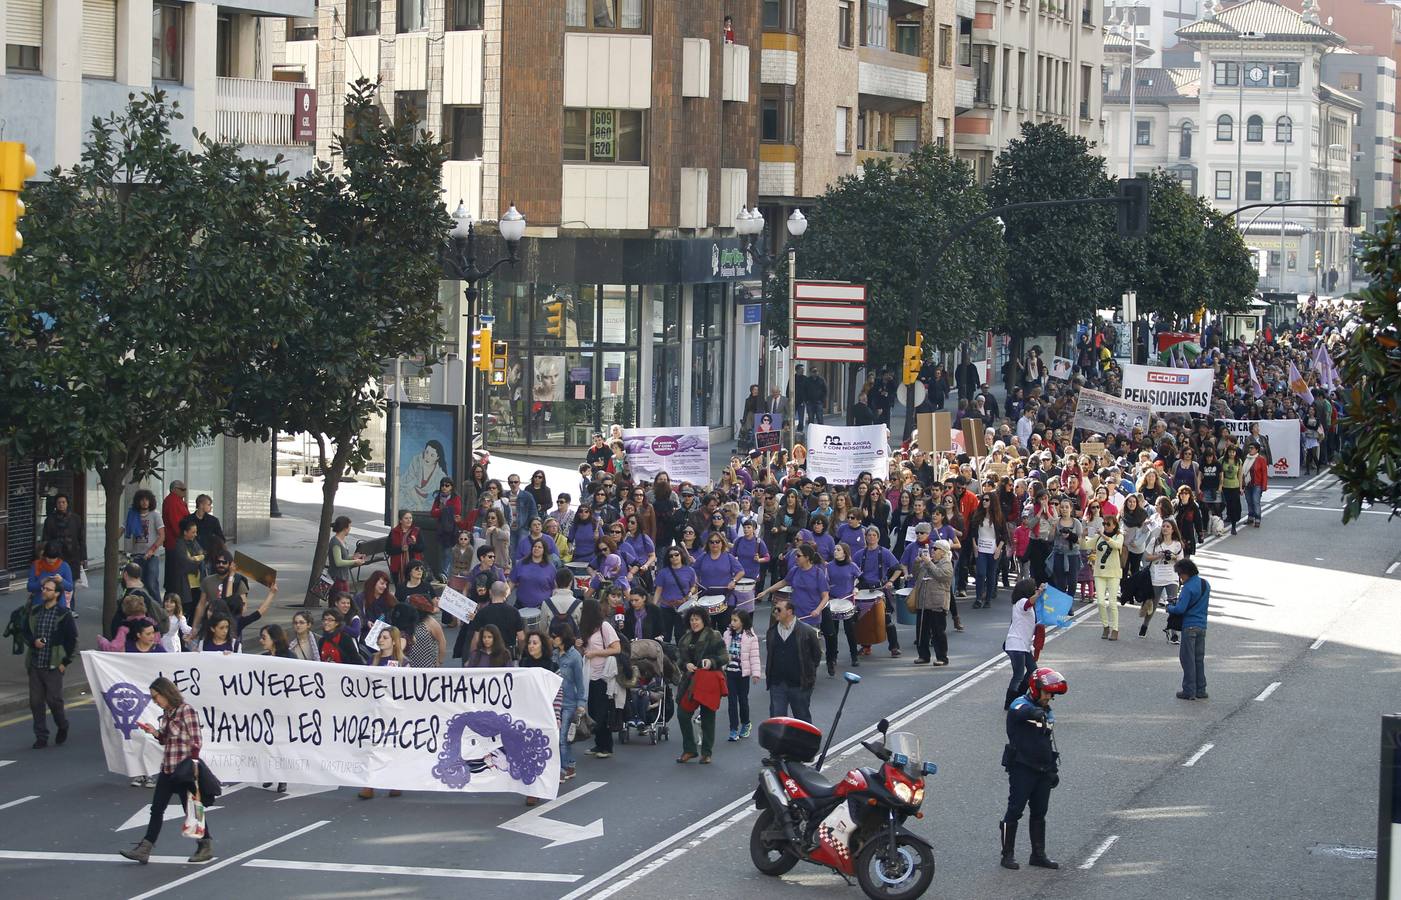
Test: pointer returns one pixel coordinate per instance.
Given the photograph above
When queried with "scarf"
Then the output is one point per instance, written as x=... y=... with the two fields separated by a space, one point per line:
x=1133 y=518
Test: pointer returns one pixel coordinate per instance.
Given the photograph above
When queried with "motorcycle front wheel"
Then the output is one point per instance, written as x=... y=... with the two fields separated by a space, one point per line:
x=769 y=857
x=902 y=876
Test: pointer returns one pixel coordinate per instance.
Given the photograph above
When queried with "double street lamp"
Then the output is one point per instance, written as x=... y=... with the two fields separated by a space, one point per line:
x=749 y=224
x=460 y=264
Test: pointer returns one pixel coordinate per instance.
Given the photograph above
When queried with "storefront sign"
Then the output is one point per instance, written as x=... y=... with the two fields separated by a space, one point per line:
x=1282 y=435
x=753 y=314
x=1169 y=390
x=304 y=115
x=715 y=260
x=682 y=453
x=1100 y=413
x=265 y=718
x=842 y=453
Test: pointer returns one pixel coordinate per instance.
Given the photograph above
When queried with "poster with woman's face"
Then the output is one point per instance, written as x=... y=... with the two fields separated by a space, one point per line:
x=427 y=453
x=547 y=383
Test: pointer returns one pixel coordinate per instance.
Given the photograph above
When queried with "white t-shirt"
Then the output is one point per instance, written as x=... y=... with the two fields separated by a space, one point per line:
x=987 y=537
x=1023 y=627
x=599 y=640
x=1162 y=572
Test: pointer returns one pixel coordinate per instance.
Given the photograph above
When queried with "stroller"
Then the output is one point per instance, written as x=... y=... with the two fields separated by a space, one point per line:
x=651 y=699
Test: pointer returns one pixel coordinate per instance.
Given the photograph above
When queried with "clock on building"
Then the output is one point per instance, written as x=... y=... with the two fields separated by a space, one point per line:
x=1256 y=75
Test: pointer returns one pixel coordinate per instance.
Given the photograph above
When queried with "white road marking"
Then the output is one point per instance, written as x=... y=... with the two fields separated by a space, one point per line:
x=837 y=752
x=294 y=791
x=1099 y=851
x=1316 y=644
x=556 y=832
x=173 y=811
x=1392 y=568
x=19 y=801
x=298 y=865
x=236 y=858
x=37 y=856
x=6 y=762
x=665 y=858
x=1192 y=760
x=1265 y=694
x=1338 y=509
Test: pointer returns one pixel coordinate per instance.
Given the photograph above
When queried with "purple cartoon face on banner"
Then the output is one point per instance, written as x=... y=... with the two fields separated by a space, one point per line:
x=480 y=743
x=127 y=702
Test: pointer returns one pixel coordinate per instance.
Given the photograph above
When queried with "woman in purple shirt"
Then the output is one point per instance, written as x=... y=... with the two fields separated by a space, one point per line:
x=534 y=577
x=583 y=536
x=639 y=552
x=808 y=582
x=536 y=533
x=752 y=553
x=718 y=571
x=821 y=538
x=842 y=575
x=675 y=582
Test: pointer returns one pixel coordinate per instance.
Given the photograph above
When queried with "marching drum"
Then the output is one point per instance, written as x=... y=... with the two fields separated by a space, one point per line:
x=865 y=598
x=714 y=604
x=744 y=594
x=903 y=616
x=580 y=570
x=842 y=608
x=530 y=618
x=870 y=627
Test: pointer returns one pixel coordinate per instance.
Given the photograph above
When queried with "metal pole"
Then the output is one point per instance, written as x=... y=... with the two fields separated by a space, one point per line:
x=1133 y=86
x=792 y=350
x=1240 y=120
x=391 y=481
x=1285 y=166
x=273 y=511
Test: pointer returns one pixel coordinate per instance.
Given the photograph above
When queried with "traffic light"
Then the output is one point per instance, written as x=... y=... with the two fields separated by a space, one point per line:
x=914 y=359
x=554 y=318
x=481 y=350
x=16 y=167
x=498 y=362
x=1352 y=212
x=1133 y=207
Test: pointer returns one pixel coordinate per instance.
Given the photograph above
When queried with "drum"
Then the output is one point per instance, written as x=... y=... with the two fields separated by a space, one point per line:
x=865 y=598
x=714 y=604
x=530 y=619
x=842 y=608
x=870 y=627
x=903 y=615
x=581 y=574
x=744 y=594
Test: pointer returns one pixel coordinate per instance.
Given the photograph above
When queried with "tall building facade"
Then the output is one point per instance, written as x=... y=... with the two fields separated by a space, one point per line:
x=1155 y=24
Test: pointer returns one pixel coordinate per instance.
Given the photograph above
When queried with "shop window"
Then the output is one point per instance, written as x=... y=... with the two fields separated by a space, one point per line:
x=605 y=136
x=708 y=324
x=666 y=355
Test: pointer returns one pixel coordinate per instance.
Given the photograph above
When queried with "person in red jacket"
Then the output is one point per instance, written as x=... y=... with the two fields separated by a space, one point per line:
x=1255 y=480
x=404 y=545
x=174 y=509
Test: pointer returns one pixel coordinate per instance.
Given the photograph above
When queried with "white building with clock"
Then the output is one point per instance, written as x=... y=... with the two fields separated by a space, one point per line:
x=1252 y=122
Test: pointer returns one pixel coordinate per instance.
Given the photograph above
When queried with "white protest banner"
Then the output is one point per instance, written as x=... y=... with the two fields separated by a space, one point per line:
x=682 y=453
x=265 y=718
x=1169 y=390
x=1282 y=437
x=841 y=453
x=1101 y=413
x=372 y=634
x=457 y=604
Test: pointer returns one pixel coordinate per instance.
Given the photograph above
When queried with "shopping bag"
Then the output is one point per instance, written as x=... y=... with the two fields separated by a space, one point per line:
x=82 y=579
x=194 y=811
x=1053 y=607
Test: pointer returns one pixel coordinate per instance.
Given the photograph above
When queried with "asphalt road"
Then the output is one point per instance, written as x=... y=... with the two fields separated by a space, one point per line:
x=1286 y=777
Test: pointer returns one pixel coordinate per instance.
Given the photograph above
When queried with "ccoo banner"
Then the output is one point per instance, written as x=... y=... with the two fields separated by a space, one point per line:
x=682 y=453
x=842 y=453
x=1282 y=437
x=1169 y=390
x=271 y=719
x=1106 y=414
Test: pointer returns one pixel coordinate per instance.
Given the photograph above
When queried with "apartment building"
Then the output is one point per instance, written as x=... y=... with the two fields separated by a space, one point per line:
x=1154 y=24
x=1371 y=81
x=1252 y=122
x=1020 y=61
x=625 y=132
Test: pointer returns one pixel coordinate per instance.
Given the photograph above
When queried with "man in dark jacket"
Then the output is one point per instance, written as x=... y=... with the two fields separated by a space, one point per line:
x=1032 y=765
x=794 y=652
x=51 y=637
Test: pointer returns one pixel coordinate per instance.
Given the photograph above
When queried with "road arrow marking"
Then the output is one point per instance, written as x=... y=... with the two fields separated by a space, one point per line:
x=295 y=791
x=557 y=833
x=19 y=801
x=173 y=811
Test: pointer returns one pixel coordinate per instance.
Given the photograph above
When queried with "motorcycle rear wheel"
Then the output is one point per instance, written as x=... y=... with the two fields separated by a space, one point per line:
x=769 y=858
x=906 y=876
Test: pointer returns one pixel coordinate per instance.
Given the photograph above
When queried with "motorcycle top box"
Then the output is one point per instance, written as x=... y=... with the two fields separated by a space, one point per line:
x=789 y=738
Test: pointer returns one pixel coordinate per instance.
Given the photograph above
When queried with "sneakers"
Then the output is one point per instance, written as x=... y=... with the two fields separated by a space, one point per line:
x=1183 y=695
x=142 y=781
x=601 y=755
x=734 y=736
x=746 y=731
x=920 y=662
x=895 y=654
x=39 y=743
x=566 y=774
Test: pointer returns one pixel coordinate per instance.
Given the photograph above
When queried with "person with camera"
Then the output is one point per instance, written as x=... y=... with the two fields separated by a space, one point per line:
x=1032 y=765
x=1164 y=550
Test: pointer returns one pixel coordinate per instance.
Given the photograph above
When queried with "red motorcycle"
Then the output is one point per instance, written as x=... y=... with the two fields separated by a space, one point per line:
x=855 y=826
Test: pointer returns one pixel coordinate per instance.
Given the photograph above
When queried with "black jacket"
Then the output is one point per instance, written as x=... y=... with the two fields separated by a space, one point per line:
x=651 y=622
x=1029 y=732
x=809 y=652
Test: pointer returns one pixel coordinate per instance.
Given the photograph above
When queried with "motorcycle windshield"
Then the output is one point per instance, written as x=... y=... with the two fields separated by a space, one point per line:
x=905 y=744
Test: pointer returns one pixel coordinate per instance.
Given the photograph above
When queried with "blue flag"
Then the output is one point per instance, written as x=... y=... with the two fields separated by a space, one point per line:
x=1053 y=607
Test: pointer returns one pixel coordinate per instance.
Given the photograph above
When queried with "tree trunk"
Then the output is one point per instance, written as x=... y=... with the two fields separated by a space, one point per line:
x=331 y=484
x=113 y=480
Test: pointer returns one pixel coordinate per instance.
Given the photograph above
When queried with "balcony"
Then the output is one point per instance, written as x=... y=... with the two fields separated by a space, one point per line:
x=896 y=77
x=255 y=112
x=864 y=156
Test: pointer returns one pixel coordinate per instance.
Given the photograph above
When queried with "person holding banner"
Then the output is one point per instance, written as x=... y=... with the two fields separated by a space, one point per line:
x=180 y=740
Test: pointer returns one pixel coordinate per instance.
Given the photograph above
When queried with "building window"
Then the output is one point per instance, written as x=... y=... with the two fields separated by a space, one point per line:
x=780 y=15
x=907 y=38
x=1282 y=185
x=1254 y=130
x=1252 y=185
x=776 y=113
x=1225 y=128
x=606 y=15
x=1143 y=133
x=1225 y=74
x=413 y=15
x=24 y=35
x=844 y=23
x=1021 y=79
x=99 y=40
x=982 y=74
x=464 y=15
x=843 y=126
x=364 y=17
x=411 y=108
x=1284 y=130
x=301 y=29
x=167 y=41
x=603 y=136
x=875 y=23
x=708 y=311
x=463 y=125
x=1284 y=75
x=906 y=131
x=1223 y=185
x=946 y=46
x=1184 y=142
x=965 y=42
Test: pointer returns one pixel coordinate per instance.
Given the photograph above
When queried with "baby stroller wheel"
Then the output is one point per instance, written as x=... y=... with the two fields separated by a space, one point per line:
x=624 y=735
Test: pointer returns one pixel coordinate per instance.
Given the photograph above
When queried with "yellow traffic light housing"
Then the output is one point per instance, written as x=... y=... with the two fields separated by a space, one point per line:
x=914 y=359
x=481 y=350
x=554 y=318
x=16 y=167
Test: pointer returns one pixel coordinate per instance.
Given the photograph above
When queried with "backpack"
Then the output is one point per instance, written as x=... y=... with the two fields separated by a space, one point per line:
x=557 y=616
x=14 y=629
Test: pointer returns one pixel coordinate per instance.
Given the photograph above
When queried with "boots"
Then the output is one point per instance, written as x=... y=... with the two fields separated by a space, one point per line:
x=1114 y=635
x=1038 y=846
x=1009 y=844
x=1104 y=636
x=140 y=853
x=204 y=851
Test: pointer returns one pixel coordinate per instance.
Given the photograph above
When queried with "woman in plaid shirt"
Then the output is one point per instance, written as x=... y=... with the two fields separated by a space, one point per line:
x=179 y=737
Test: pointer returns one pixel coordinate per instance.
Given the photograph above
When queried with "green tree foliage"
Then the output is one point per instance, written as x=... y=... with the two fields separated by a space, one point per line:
x=371 y=283
x=1058 y=265
x=1369 y=465
x=147 y=270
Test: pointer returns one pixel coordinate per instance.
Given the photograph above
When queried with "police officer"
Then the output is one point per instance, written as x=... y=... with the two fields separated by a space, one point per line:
x=1030 y=759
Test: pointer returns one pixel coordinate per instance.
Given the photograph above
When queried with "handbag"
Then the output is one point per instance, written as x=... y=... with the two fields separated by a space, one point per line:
x=194 y=826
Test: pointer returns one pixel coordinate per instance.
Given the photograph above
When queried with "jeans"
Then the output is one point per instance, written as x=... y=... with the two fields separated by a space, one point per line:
x=738 y=699
x=1023 y=664
x=687 y=727
x=46 y=692
x=151 y=575
x=789 y=698
x=1107 y=598
x=987 y=578
x=566 y=752
x=1065 y=567
x=1192 y=655
x=600 y=710
x=165 y=789
x=1252 y=502
x=933 y=635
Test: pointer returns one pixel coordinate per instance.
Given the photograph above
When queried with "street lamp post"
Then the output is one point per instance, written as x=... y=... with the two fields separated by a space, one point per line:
x=749 y=224
x=460 y=263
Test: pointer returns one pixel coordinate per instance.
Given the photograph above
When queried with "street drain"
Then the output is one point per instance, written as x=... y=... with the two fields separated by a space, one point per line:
x=1343 y=852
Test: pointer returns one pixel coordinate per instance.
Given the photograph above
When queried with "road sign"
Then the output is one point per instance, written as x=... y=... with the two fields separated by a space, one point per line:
x=829 y=290
x=812 y=331
x=829 y=312
x=830 y=352
x=829 y=321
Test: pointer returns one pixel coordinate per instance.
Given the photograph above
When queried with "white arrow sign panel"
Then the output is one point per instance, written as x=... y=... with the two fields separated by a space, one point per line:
x=557 y=833
x=173 y=811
